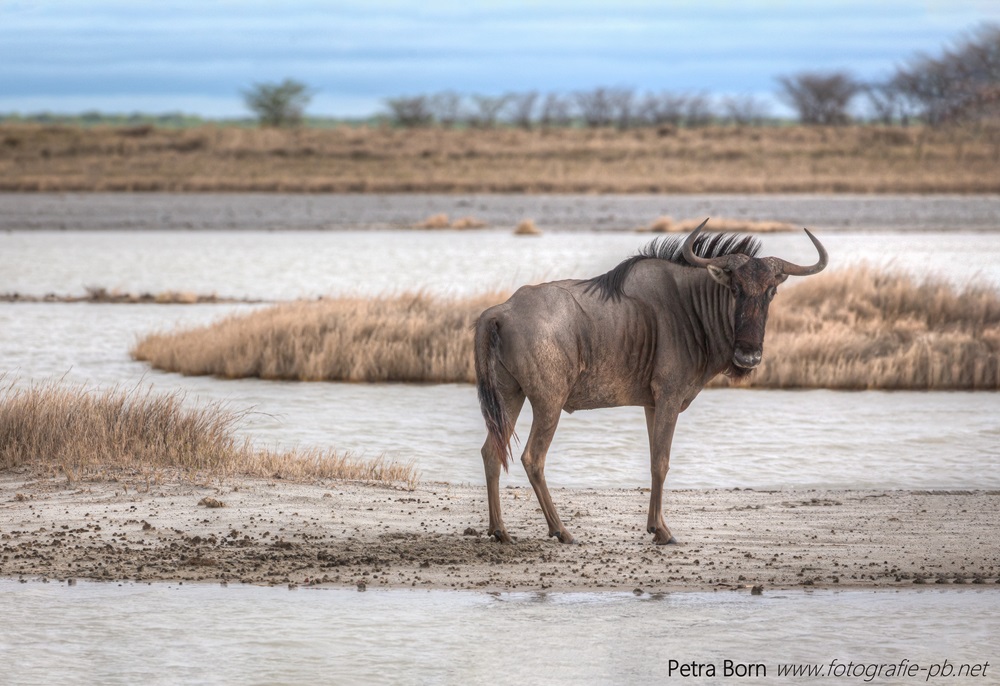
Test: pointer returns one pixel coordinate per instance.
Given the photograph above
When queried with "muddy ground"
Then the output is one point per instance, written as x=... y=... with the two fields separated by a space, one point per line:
x=274 y=532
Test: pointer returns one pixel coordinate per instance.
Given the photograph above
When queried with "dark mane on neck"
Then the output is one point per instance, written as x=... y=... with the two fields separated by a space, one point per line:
x=611 y=285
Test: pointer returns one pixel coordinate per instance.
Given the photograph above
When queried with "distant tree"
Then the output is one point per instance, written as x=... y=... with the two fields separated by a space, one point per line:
x=820 y=98
x=961 y=83
x=745 y=110
x=622 y=107
x=885 y=102
x=555 y=111
x=488 y=109
x=410 y=111
x=278 y=104
x=699 y=110
x=522 y=109
x=663 y=108
x=446 y=108
x=601 y=106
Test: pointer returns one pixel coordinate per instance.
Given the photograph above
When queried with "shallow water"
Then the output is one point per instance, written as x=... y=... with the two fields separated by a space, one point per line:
x=728 y=438
x=160 y=633
x=312 y=263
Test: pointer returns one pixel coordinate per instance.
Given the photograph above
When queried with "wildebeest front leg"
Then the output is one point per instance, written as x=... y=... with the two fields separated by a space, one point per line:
x=660 y=422
x=543 y=427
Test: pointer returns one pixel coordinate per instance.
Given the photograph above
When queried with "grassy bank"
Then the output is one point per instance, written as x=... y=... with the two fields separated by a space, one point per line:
x=415 y=338
x=719 y=159
x=856 y=328
x=86 y=433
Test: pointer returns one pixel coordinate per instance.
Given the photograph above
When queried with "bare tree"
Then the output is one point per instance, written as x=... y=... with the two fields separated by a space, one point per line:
x=672 y=108
x=884 y=101
x=488 y=109
x=622 y=107
x=698 y=110
x=596 y=107
x=745 y=110
x=278 y=104
x=820 y=98
x=446 y=108
x=961 y=83
x=647 y=110
x=522 y=109
x=410 y=111
x=555 y=111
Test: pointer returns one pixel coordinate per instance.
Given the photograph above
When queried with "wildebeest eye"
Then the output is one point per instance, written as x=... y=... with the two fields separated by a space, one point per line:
x=771 y=292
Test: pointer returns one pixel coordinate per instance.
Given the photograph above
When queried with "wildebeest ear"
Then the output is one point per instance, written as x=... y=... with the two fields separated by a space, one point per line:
x=721 y=275
x=780 y=278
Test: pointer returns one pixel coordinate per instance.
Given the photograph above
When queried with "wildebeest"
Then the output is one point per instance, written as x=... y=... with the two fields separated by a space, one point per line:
x=651 y=332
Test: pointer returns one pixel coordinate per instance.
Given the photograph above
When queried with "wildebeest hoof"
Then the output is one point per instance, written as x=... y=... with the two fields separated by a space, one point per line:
x=659 y=539
x=563 y=537
x=501 y=536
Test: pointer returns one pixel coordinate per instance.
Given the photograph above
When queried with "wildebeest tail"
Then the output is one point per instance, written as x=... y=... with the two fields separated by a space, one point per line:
x=498 y=423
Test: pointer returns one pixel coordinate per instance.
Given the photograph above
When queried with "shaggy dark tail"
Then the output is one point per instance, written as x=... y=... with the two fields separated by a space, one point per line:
x=498 y=424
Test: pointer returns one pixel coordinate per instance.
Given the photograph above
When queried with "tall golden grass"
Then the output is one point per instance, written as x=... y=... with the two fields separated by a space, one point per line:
x=863 y=328
x=85 y=433
x=414 y=337
x=859 y=159
x=858 y=328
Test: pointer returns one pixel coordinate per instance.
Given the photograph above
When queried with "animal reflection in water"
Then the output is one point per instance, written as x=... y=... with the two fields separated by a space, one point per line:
x=651 y=332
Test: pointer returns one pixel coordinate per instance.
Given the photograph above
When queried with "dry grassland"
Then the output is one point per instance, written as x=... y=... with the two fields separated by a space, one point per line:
x=857 y=328
x=714 y=159
x=81 y=433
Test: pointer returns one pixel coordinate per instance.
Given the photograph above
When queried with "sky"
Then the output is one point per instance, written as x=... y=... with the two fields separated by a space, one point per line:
x=198 y=57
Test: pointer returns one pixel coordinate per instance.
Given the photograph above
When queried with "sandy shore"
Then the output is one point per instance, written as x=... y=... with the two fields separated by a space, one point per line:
x=273 y=532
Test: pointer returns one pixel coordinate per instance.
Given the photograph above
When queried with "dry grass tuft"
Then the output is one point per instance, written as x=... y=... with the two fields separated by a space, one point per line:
x=413 y=337
x=440 y=221
x=93 y=433
x=468 y=223
x=863 y=328
x=668 y=225
x=527 y=228
x=662 y=224
x=435 y=221
x=858 y=328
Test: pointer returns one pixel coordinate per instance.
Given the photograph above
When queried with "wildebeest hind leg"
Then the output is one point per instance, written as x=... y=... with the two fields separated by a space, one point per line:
x=513 y=401
x=543 y=427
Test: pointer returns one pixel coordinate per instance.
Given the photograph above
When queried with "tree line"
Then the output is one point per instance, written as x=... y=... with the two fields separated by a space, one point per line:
x=962 y=83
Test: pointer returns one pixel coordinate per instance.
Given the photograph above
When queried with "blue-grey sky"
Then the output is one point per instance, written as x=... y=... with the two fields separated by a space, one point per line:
x=195 y=56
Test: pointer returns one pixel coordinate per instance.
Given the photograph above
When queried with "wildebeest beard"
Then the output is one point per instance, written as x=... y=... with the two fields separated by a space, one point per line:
x=750 y=326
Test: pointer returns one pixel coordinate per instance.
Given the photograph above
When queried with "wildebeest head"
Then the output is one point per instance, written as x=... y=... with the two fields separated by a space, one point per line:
x=752 y=281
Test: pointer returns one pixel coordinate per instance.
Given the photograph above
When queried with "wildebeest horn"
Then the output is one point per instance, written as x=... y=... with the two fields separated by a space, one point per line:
x=689 y=255
x=790 y=269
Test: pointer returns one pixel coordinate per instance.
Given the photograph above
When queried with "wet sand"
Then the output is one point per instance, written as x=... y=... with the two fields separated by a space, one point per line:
x=344 y=534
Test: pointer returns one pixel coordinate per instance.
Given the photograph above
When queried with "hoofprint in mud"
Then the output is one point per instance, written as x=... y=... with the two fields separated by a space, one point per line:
x=337 y=533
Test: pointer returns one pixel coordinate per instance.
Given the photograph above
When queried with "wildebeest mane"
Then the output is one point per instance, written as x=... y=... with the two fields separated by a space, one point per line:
x=611 y=285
